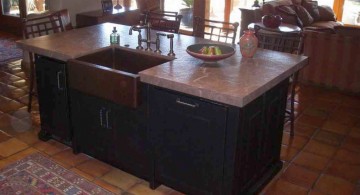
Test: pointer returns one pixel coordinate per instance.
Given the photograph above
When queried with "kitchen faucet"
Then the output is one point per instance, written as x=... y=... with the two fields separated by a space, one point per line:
x=148 y=41
x=140 y=39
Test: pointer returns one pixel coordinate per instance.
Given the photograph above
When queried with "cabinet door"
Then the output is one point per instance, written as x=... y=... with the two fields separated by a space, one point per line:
x=131 y=144
x=93 y=133
x=52 y=95
x=189 y=139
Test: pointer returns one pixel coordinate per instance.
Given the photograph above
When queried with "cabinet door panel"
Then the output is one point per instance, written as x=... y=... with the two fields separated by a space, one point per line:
x=52 y=95
x=132 y=148
x=189 y=139
x=90 y=127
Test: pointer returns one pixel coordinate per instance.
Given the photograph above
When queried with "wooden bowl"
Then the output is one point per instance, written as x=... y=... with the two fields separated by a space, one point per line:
x=194 y=51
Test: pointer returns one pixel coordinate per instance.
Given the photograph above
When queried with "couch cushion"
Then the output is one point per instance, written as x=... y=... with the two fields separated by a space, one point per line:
x=326 y=13
x=288 y=14
x=304 y=16
x=326 y=24
x=269 y=7
x=312 y=8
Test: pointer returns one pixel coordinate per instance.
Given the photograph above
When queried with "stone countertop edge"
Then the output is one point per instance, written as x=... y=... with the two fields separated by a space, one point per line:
x=234 y=81
x=238 y=100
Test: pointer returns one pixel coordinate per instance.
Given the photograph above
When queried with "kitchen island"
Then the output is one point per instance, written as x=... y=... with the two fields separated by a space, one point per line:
x=199 y=128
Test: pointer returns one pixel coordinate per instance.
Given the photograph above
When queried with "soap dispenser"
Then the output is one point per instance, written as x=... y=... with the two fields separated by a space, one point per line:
x=114 y=37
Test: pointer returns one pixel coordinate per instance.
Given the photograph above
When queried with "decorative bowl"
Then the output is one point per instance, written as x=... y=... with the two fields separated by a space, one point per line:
x=194 y=51
x=271 y=21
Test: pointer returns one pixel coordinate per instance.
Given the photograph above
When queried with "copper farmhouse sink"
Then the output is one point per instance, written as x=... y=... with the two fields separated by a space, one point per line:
x=112 y=74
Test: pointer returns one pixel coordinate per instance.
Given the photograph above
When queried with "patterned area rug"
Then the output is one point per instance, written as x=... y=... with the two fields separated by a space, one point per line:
x=37 y=174
x=8 y=49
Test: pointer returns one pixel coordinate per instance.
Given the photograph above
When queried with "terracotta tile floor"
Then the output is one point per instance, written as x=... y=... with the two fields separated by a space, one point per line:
x=322 y=158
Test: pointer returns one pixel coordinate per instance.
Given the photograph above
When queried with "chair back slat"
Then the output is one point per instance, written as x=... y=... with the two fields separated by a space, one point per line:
x=43 y=25
x=163 y=21
x=289 y=42
x=215 y=30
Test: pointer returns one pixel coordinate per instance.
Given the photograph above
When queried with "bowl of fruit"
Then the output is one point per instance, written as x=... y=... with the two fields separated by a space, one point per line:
x=210 y=52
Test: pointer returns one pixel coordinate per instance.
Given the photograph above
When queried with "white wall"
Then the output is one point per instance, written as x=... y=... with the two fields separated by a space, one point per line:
x=74 y=6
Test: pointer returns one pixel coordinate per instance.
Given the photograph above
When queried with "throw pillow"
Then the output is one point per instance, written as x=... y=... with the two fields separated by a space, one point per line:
x=297 y=2
x=312 y=8
x=326 y=13
x=304 y=16
x=288 y=14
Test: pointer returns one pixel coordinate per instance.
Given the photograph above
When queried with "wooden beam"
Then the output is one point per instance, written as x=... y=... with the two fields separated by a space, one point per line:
x=338 y=8
x=227 y=10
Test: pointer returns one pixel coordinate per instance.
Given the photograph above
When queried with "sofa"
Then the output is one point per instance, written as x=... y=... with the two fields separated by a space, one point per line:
x=334 y=60
x=303 y=13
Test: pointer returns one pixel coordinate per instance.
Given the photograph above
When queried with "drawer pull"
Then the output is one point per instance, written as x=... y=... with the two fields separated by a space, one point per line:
x=58 y=80
x=178 y=101
x=101 y=117
x=107 y=119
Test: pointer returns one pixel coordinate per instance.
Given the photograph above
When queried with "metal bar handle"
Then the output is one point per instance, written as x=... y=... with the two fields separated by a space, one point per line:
x=101 y=116
x=178 y=101
x=58 y=80
x=107 y=119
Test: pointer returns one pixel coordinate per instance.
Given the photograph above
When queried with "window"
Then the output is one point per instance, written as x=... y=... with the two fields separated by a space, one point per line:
x=15 y=7
x=351 y=12
x=329 y=3
x=184 y=8
x=347 y=11
x=35 y=6
x=10 y=7
x=123 y=3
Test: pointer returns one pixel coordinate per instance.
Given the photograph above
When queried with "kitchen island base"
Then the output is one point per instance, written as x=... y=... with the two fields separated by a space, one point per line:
x=53 y=100
x=206 y=147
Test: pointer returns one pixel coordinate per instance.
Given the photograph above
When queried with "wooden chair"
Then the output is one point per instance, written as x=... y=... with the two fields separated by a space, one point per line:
x=36 y=27
x=215 y=30
x=290 y=42
x=107 y=6
x=163 y=20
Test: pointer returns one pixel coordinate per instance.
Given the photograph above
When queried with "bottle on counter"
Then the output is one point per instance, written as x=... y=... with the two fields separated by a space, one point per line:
x=115 y=37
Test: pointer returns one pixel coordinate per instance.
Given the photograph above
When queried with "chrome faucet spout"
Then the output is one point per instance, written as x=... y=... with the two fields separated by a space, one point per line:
x=148 y=35
x=136 y=28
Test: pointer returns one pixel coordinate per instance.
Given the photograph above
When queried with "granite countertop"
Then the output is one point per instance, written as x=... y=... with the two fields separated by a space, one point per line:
x=235 y=81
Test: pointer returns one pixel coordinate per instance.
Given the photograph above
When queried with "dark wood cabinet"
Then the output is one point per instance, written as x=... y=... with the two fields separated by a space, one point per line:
x=53 y=99
x=111 y=132
x=204 y=147
x=189 y=137
x=92 y=125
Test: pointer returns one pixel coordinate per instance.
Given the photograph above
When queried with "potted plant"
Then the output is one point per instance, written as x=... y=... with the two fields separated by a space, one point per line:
x=187 y=13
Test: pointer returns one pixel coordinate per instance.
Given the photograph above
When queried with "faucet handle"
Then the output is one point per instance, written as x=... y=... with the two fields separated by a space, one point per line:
x=171 y=37
x=157 y=42
x=140 y=47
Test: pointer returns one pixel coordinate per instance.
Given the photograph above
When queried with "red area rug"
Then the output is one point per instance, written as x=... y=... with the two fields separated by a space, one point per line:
x=8 y=49
x=37 y=174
